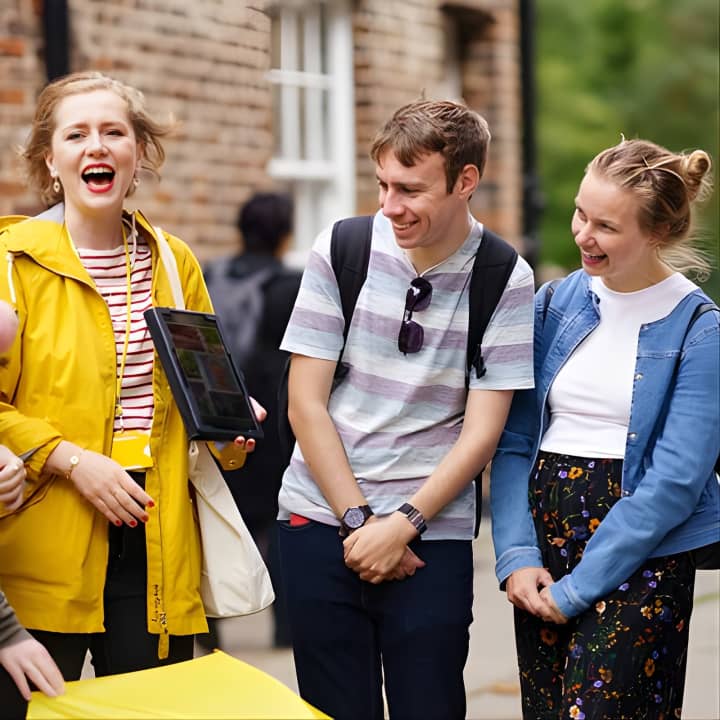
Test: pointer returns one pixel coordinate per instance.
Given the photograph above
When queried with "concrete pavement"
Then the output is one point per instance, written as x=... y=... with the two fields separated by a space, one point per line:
x=491 y=673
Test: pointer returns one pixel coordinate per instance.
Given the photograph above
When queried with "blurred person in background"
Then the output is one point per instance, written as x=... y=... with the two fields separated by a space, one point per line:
x=253 y=294
x=104 y=552
x=25 y=664
x=602 y=488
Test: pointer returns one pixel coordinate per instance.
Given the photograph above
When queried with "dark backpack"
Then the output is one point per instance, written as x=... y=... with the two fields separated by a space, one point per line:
x=349 y=255
x=239 y=303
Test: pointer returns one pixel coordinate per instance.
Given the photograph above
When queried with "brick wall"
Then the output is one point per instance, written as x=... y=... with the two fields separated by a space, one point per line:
x=401 y=54
x=205 y=62
x=202 y=62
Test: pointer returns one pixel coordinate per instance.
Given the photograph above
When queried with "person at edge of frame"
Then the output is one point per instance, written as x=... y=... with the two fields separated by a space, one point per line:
x=265 y=223
x=24 y=663
x=603 y=487
x=104 y=553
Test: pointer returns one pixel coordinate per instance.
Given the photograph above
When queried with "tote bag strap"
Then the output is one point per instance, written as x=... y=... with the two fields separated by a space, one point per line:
x=171 y=268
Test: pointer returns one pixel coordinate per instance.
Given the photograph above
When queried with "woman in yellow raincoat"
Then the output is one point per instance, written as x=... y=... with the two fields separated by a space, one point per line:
x=104 y=553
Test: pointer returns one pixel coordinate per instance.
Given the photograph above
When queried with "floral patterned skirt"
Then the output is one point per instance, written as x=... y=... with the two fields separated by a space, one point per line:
x=624 y=658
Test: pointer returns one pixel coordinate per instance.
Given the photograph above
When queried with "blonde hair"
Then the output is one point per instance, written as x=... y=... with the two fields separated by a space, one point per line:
x=148 y=132
x=666 y=185
x=459 y=134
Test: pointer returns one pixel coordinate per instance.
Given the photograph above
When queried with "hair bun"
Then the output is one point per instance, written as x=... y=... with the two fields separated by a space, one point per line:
x=695 y=169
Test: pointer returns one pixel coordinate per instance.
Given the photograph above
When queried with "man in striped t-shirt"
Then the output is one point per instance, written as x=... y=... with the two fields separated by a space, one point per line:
x=377 y=507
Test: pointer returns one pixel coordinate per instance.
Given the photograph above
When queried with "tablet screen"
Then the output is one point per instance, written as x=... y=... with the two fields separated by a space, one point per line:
x=215 y=391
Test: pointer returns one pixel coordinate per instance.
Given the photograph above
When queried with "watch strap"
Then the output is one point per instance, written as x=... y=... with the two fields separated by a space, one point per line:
x=345 y=529
x=415 y=517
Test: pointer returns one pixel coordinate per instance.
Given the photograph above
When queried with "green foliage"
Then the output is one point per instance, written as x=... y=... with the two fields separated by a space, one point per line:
x=644 y=68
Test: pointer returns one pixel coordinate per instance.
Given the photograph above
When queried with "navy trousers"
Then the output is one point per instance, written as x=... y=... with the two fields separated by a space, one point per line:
x=348 y=635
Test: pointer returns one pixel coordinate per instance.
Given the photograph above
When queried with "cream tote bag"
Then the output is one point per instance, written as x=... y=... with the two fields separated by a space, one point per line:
x=235 y=580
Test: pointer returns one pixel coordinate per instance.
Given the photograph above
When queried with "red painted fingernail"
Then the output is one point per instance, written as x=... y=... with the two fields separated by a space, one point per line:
x=133 y=523
x=118 y=523
x=150 y=504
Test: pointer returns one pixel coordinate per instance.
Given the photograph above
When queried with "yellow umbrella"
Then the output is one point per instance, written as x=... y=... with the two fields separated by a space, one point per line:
x=212 y=686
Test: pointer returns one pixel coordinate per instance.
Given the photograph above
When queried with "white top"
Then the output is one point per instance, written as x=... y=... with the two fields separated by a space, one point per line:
x=590 y=398
x=398 y=415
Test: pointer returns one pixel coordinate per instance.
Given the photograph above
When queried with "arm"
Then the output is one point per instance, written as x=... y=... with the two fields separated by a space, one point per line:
x=309 y=385
x=518 y=561
x=24 y=658
x=677 y=471
x=513 y=528
x=375 y=550
x=519 y=564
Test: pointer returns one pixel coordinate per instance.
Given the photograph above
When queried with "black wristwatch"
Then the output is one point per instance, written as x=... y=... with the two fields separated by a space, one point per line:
x=354 y=518
x=414 y=516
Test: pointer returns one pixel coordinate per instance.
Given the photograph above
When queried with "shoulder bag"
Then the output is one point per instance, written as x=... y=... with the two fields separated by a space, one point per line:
x=235 y=580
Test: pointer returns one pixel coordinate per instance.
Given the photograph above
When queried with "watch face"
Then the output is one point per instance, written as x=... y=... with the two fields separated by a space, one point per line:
x=354 y=518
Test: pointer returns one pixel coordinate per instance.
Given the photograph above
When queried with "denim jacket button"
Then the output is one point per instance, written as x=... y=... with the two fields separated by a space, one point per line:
x=638 y=376
x=632 y=436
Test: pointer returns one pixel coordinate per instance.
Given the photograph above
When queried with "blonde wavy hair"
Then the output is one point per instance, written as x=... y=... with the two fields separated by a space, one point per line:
x=148 y=132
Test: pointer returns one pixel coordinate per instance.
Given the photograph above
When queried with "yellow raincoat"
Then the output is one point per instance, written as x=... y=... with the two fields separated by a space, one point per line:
x=59 y=383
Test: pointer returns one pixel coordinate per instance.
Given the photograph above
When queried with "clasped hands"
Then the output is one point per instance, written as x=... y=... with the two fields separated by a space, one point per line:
x=529 y=590
x=379 y=551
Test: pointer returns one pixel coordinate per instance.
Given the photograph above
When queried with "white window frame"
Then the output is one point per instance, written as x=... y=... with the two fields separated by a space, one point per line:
x=320 y=170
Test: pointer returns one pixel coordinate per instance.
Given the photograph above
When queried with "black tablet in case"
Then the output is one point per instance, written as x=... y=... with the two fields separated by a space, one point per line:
x=209 y=390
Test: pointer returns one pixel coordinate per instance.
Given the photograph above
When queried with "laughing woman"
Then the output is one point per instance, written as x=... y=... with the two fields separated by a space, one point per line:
x=618 y=441
x=104 y=553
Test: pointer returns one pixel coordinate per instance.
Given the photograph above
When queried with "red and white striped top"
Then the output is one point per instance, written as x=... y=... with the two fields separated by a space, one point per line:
x=108 y=269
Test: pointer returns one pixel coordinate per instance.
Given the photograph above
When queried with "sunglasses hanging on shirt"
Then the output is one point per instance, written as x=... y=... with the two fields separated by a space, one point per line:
x=417 y=298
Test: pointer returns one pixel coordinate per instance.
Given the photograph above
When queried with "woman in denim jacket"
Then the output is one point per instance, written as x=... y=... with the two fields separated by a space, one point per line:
x=618 y=440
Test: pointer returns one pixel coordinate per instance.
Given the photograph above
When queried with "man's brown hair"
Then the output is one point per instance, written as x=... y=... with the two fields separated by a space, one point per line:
x=422 y=127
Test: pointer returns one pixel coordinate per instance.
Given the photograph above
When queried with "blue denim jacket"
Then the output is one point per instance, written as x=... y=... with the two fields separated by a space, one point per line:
x=670 y=499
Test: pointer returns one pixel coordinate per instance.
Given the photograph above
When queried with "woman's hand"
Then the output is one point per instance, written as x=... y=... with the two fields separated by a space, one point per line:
x=106 y=485
x=29 y=660
x=261 y=414
x=523 y=590
x=103 y=483
x=12 y=479
x=552 y=611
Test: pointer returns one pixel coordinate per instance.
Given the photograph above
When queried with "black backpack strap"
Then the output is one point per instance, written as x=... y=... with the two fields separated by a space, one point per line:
x=494 y=262
x=699 y=310
x=549 y=292
x=349 y=255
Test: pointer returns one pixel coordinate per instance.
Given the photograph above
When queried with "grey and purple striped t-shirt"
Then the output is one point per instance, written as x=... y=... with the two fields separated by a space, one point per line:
x=398 y=415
